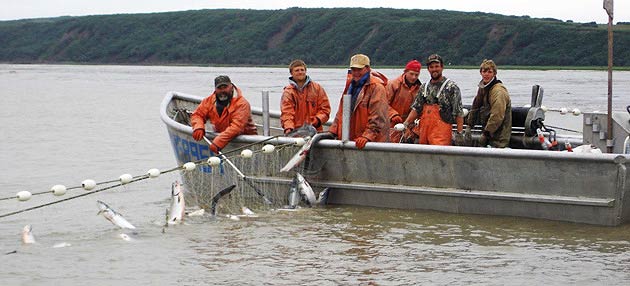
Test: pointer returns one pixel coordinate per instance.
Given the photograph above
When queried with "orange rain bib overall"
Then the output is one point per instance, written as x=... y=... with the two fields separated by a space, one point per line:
x=432 y=129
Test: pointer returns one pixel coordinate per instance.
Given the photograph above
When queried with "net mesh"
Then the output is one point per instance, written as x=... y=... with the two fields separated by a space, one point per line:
x=205 y=182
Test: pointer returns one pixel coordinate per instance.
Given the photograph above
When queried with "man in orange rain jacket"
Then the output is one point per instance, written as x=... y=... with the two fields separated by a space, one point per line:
x=400 y=95
x=303 y=101
x=439 y=105
x=368 y=119
x=230 y=114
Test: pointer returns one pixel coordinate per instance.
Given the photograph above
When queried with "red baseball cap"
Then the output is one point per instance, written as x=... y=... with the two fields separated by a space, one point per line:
x=413 y=65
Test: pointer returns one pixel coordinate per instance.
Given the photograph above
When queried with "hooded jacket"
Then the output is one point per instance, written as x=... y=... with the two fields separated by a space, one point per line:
x=492 y=109
x=235 y=120
x=299 y=106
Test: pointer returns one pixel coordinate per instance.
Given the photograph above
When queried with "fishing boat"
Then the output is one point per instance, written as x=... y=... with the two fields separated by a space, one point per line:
x=522 y=181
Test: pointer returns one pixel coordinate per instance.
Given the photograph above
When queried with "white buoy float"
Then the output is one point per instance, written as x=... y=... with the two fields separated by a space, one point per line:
x=23 y=196
x=189 y=166
x=268 y=148
x=576 y=111
x=153 y=173
x=125 y=178
x=246 y=153
x=88 y=184
x=300 y=141
x=399 y=127
x=214 y=161
x=564 y=110
x=544 y=108
x=58 y=190
x=233 y=217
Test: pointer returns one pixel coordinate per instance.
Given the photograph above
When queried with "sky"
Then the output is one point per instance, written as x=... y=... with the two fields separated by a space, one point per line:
x=575 y=10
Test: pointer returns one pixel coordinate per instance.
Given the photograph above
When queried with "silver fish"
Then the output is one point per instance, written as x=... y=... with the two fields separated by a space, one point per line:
x=27 y=235
x=112 y=216
x=301 y=155
x=62 y=245
x=303 y=131
x=304 y=188
x=298 y=157
x=178 y=205
x=323 y=197
x=294 y=196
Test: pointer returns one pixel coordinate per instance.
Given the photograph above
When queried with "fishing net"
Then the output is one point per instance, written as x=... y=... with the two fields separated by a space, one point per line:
x=263 y=178
x=262 y=175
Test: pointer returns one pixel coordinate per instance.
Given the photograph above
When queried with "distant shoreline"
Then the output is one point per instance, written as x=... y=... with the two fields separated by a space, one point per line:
x=502 y=67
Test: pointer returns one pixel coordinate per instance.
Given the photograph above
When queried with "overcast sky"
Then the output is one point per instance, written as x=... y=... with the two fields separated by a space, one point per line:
x=576 y=10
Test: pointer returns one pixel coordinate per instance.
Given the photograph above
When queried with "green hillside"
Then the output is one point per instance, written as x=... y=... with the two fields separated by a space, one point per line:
x=319 y=36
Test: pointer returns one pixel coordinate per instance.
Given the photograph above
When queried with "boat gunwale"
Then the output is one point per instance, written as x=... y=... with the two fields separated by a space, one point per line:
x=403 y=148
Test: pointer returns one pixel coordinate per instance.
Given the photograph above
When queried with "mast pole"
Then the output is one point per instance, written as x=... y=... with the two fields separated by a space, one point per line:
x=608 y=6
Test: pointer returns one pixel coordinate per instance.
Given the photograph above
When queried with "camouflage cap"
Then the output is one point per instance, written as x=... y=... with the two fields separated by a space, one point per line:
x=434 y=58
x=222 y=80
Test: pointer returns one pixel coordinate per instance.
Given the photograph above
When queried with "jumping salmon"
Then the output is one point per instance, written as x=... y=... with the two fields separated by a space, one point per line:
x=303 y=152
x=304 y=188
x=27 y=235
x=112 y=216
x=294 y=196
x=178 y=205
x=323 y=197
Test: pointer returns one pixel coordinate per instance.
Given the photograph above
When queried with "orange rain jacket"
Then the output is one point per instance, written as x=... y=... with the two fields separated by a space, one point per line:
x=369 y=116
x=299 y=107
x=400 y=97
x=235 y=120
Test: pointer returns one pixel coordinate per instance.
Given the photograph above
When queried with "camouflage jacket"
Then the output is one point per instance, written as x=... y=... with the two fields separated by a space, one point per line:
x=449 y=99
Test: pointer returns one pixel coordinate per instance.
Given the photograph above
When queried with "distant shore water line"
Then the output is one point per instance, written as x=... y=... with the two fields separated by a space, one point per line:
x=503 y=67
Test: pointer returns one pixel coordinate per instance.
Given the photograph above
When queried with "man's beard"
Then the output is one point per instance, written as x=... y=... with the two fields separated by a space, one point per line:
x=435 y=75
x=223 y=96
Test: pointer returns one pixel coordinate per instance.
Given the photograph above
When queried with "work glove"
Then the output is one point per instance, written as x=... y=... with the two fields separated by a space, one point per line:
x=468 y=136
x=316 y=122
x=198 y=134
x=214 y=148
x=459 y=139
x=328 y=135
x=408 y=135
x=483 y=140
x=396 y=119
x=360 y=142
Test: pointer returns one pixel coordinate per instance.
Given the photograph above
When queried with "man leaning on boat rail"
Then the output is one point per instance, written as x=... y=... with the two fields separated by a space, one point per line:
x=229 y=112
x=438 y=105
x=303 y=101
x=368 y=119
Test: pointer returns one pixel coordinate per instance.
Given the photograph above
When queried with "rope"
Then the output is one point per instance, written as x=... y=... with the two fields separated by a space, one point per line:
x=66 y=199
x=134 y=179
x=564 y=129
x=251 y=144
x=200 y=162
